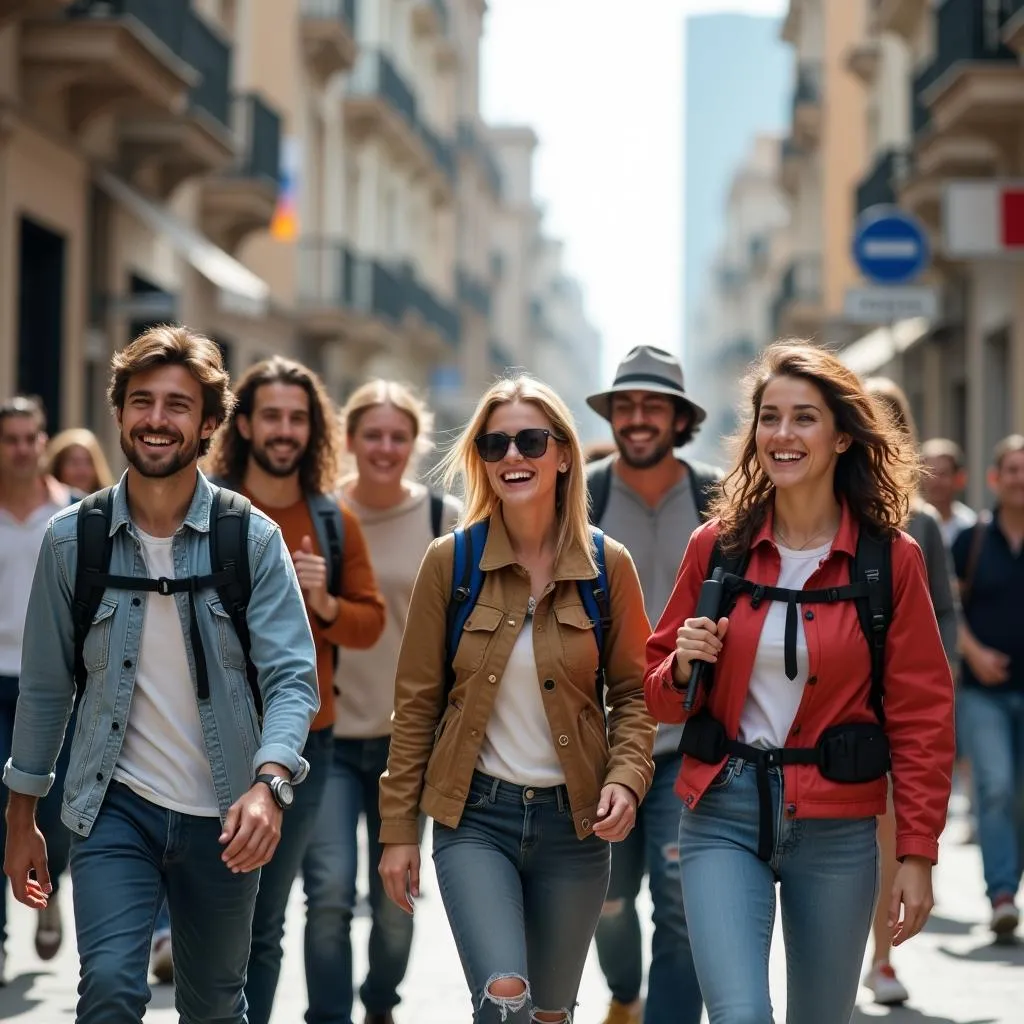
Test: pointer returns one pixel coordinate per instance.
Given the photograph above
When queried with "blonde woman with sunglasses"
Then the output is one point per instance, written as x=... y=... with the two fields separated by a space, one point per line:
x=526 y=774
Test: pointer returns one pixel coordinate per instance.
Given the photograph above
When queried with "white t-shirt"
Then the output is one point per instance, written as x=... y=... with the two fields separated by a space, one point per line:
x=517 y=744
x=773 y=699
x=19 y=549
x=163 y=757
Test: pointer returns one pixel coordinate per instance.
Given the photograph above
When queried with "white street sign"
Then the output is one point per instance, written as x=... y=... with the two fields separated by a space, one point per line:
x=880 y=304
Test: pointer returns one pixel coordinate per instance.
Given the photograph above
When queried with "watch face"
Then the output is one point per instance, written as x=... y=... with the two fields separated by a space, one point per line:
x=285 y=793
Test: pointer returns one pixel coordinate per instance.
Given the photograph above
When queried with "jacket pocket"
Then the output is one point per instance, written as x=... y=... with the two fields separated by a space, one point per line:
x=477 y=635
x=96 y=649
x=579 y=641
x=231 y=654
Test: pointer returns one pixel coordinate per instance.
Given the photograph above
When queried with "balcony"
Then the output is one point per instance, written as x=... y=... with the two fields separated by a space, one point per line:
x=473 y=293
x=243 y=199
x=807 y=104
x=863 y=58
x=436 y=320
x=200 y=141
x=475 y=147
x=899 y=16
x=791 y=157
x=1013 y=25
x=442 y=152
x=500 y=357
x=975 y=83
x=328 y=30
x=106 y=56
x=797 y=310
x=879 y=187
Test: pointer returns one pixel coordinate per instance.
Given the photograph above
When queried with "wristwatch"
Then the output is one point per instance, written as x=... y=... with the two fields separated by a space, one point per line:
x=281 y=790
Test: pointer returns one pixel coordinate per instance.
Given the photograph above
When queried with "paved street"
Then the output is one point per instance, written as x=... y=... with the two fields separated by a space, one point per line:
x=953 y=972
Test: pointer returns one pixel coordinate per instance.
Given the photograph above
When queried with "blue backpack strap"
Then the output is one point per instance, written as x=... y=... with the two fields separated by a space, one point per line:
x=596 y=598
x=467 y=582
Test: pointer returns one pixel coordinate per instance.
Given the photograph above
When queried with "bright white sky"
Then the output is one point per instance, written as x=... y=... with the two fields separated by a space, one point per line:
x=601 y=83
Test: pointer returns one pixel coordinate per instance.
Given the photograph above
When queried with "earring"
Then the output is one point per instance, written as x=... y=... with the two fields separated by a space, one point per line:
x=562 y=468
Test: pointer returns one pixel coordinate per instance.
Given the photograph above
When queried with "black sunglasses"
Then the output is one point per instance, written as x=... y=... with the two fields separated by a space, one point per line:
x=531 y=443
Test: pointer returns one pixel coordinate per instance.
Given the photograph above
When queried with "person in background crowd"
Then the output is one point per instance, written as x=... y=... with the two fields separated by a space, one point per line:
x=924 y=526
x=282 y=449
x=783 y=777
x=945 y=478
x=989 y=560
x=648 y=497
x=514 y=761
x=29 y=496
x=178 y=786
x=75 y=458
x=386 y=429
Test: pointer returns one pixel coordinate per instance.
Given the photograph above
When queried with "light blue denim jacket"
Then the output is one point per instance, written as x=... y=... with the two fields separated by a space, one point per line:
x=281 y=649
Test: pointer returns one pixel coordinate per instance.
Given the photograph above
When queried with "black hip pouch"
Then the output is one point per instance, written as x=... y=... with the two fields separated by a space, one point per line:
x=704 y=739
x=855 y=752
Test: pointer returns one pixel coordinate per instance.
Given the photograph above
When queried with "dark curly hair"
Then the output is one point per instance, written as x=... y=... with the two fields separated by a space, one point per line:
x=876 y=476
x=320 y=467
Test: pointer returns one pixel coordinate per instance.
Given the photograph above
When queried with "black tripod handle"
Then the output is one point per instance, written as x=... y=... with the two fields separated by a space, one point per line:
x=708 y=606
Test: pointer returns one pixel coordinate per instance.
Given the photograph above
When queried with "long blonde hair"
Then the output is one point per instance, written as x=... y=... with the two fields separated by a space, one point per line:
x=399 y=396
x=463 y=462
x=78 y=437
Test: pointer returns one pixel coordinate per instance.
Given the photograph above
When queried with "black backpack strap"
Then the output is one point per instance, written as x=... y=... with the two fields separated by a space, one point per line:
x=229 y=555
x=436 y=514
x=703 y=481
x=599 y=486
x=329 y=524
x=872 y=564
x=95 y=546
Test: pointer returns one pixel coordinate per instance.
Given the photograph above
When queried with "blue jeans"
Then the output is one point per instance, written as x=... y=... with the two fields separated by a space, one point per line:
x=56 y=833
x=673 y=994
x=136 y=854
x=827 y=870
x=992 y=726
x=276 y=878
x=329 y=872
x=523 y=896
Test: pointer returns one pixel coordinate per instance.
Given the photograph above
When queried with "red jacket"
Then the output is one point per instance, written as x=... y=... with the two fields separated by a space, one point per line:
x=918 y=685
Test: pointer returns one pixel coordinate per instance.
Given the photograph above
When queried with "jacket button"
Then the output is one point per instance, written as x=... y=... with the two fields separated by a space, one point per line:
x=474 y=733
x=115 y=726
x=549 y=684
x=791 y=809
x=492 y=679
x=796 y=730
x=127 y=662
x=563 y=740
x=529 y=794
x=585 y=822
x=136 y=601
x=811 y=680
x=99 y=776
x=808 y=615
x=689 y=800
x=511 y=622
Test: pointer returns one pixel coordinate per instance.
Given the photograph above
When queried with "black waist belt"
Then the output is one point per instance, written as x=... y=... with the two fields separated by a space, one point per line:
x=855 y=752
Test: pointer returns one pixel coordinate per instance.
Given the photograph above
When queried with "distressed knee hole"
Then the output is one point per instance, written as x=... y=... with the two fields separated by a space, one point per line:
x=551 y=1016
x=612 y=908
x=670 y=853
x=509 y=993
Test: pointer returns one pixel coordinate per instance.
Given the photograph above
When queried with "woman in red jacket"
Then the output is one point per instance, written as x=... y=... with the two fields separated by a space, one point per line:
x=786 y=754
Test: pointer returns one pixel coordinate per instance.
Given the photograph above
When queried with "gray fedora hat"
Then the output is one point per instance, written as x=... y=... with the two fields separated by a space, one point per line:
x=646 y=368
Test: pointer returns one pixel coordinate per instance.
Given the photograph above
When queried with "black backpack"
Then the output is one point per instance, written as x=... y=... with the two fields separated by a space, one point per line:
x=703 y=479
x=229 y=576
x=870 y=588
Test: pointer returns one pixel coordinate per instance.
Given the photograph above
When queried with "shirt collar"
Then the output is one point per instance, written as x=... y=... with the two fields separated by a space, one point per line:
x=845 y=539
x=570 y=564
x=197 y=517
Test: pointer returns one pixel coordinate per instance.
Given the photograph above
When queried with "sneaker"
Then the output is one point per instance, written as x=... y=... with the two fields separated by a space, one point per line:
x=161 y=963
x=1005 y=917
x=49 y=929
x=624 y=1013
x=379 y=1018
x=887 y=988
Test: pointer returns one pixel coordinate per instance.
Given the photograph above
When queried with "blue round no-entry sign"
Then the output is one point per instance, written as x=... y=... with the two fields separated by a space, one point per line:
x=889 y=245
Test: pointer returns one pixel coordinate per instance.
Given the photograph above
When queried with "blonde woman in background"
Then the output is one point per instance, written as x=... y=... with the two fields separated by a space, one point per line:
x=525 y=780
x=386 y=428
x=924 y=525
x=75 y=458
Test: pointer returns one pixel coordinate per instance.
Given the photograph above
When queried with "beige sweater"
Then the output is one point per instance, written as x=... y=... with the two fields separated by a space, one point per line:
x=364 y=681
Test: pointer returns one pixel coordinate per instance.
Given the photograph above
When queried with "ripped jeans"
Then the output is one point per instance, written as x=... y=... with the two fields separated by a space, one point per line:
x=523 y=896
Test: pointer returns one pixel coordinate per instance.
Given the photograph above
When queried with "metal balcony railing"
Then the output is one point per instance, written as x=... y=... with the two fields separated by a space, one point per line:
x=442 y=151
x=329 y=10
x=469 y=140
x=258 y=128
x=436 y=313
x=325 y=273
x=801 y=282
x=375 y=75
x=500 y=356
x=205 y=51
x=965 y=30
x=164 y=18
x=473 y=292
x=879 y=186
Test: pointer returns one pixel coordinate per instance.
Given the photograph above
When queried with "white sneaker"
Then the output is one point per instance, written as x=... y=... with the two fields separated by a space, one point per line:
x=161 y=962
x=1005 y=918
x=49 y=929
x=887 y=988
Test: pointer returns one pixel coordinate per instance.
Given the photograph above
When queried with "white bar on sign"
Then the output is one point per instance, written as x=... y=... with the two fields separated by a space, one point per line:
x=971 y=218
x=890 y=249
x=884 y=305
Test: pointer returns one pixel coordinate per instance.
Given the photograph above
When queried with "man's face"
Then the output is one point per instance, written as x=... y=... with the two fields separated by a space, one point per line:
x=162 y=425
x=278 y=431
x=942 y=482
x=1007 y=481
x=644 y=424
x=22 y=443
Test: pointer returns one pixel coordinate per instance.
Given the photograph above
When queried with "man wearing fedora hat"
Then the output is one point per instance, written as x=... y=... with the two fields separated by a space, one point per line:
x=651 y=499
